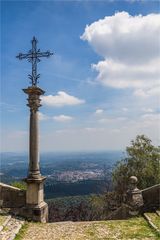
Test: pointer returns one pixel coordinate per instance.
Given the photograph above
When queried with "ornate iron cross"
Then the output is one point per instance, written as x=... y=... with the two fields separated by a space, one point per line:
x=34 y=56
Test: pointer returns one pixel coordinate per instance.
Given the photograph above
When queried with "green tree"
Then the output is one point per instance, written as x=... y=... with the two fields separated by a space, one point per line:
x=142 y=160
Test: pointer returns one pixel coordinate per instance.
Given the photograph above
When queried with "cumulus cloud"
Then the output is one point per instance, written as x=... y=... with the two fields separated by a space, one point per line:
x=124 y=37
x=62 y=118
x=130 y=48
x=61 y=99
x=121 y=75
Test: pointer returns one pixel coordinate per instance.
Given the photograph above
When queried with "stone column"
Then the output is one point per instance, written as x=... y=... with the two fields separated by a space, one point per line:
x=36 y=208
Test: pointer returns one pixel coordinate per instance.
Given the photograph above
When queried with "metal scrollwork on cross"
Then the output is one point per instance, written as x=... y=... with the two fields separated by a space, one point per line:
x=34 y=56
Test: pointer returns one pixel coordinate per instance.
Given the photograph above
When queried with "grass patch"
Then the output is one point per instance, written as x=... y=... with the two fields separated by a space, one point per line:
x=135 y=228
x=20 y=235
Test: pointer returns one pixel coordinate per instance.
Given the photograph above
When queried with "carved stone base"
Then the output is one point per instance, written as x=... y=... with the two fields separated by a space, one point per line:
x=36 y=209
x=35 y=192
x=35 y=213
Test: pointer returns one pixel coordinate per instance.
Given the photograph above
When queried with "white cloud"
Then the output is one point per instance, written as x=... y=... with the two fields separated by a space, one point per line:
x=62 y=118
x=59 y=118
x=124 y=37
x=151 y=117
x=61 y=99
x=99 y=111
x=148 y=110
x=112 y=120
x=140 y=93
x=122 y=75
x=107 y=137
x=130 y=48
x=150 y=92
x=42 y=116
x=94 y=129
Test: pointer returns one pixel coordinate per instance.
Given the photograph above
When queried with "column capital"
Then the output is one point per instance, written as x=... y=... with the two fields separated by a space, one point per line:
x=34 y=100
x=34 y=90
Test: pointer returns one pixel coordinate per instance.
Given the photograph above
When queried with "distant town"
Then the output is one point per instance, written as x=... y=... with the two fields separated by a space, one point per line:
x=74 y=176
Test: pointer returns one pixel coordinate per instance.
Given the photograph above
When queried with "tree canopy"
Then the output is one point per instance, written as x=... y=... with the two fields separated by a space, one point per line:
x=142 y=160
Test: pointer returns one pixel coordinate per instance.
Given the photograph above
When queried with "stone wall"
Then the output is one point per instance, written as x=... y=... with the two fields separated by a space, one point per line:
x=151 y=198
x=11 y=197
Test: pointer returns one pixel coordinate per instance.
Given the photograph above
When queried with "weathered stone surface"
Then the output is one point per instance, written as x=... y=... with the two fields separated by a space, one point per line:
x=12 y=197
x=37 y=213
x=135 y=228
x=134 y=197
x=35 y=193
x=36 y=209
x=34 y=100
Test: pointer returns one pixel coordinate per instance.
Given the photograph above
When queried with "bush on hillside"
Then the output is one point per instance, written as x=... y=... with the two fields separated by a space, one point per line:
x=142 y=160
x=21 y=185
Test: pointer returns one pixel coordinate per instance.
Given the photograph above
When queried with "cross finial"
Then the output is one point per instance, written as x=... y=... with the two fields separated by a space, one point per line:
x=34 y=56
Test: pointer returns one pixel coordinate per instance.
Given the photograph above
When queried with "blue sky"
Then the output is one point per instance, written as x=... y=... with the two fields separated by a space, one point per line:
x=98 y=110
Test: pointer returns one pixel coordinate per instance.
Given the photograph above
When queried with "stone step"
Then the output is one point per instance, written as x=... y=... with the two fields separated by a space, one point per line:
x=158 y=212
x=153 y=220
x=11 y=228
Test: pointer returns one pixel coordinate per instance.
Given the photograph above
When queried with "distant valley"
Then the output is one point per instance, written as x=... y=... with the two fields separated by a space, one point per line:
x=68 y=174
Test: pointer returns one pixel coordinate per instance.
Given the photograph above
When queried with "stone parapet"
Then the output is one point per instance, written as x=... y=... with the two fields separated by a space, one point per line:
x=11 y=197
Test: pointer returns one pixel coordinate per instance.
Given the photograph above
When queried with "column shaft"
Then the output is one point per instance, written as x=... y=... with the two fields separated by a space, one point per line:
x=33 y=145
x=34 y=100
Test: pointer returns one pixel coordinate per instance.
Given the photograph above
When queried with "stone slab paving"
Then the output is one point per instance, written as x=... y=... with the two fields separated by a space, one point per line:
x=11 y=228
x=123 y=230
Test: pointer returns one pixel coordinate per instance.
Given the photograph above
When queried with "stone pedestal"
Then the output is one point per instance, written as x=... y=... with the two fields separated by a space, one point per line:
x=34 y=194
x=36 y=209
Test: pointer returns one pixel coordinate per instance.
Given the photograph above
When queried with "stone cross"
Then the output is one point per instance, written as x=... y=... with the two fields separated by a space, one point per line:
x=34 y=56
x=36 y=209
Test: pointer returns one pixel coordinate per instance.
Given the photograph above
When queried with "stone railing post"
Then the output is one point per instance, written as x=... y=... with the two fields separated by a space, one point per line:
x=134 y=197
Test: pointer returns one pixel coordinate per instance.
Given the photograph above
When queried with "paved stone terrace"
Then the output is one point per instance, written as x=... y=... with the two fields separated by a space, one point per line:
x=136 y=228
